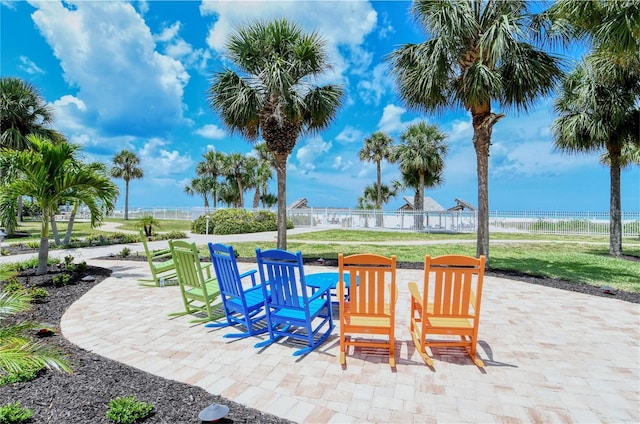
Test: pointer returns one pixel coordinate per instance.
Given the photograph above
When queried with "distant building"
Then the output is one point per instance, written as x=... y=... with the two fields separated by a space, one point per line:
x=461 y=205
x=430 y=205
x=299 y=204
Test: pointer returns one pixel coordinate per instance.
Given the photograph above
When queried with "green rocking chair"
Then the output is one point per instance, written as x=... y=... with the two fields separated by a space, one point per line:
x=163 y=270
x=198 y=288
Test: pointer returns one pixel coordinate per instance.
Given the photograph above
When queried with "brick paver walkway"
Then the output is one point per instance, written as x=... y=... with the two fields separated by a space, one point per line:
x=551 y=356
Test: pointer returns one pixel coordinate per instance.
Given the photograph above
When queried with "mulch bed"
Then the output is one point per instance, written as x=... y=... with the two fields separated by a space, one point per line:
x=83 y=396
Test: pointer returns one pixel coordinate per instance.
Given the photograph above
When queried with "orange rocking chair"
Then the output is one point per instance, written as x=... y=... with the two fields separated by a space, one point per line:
x=367 y=302
x=449 y=306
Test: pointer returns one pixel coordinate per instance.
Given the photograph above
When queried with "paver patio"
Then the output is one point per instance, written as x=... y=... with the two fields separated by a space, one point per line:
x=551 y=356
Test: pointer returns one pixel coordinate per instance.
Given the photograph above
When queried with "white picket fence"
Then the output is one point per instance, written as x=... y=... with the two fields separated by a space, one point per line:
x=541 y=222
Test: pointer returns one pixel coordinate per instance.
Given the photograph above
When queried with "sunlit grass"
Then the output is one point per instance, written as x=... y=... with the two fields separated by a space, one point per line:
x=576 y=262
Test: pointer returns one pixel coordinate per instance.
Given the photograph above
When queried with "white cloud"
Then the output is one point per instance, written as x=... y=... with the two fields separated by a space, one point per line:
x=168 y=33
x=67 y=110
x=373 y=88
x=391 y=120
x=309 y=154
x=341 y=165
x=343 y=24
x=158 y=162
x=29 y=66
x=211 y=131
x=108 y=53
x=460 y=131
x=349 y=135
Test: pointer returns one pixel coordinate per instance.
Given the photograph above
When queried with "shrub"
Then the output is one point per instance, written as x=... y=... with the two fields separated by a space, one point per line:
x=125 y=252
x=61 y=280
x=21 y=376
x=128 y=410
x=37 y=294
x=237 y=221
x=14 y=413
x=33 y=244
x=68 y=261
x=80 y=266
x=12 y=285
x=171 y=235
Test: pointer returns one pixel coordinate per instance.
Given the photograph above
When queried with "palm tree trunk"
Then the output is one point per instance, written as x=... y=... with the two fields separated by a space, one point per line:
x=379 y=199
x=281 y=171
x=72 y=218
x=54 y=230
x=256 y=198
x=20 y=209
x=483 y=122
x=420 y=201
x=126 y=200
x=240 y=191
x=43 y=251
x=615 y=215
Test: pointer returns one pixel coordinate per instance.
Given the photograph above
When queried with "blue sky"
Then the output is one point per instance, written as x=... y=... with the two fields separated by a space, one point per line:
x=134 y=76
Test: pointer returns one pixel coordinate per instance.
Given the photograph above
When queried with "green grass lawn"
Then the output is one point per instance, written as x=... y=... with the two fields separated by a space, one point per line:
x=581 y=259
x=571 y=258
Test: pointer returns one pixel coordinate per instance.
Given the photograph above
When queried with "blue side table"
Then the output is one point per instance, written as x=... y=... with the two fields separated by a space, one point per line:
x=322 y=279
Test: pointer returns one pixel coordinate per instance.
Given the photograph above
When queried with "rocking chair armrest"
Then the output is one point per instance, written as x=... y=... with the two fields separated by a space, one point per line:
x=159 y=254
x=252 y=274
x=320 y=291
x=415 y=293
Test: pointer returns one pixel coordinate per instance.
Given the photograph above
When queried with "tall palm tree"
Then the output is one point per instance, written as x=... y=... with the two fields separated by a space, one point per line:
x=599 y=104
x=589 y=108
x=125 y=166
x=212 y=168
x=22 y=112
x=477 y=54
x=410 y=179
x=421 y=152
x=17 y=351
x=49 y=175
x=274 y=97
x=202 y=186
x=235 y=166
x=377 y=147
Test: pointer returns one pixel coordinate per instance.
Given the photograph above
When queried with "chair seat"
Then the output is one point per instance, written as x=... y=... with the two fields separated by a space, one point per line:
x=315 y=306
x=458 y=323
x=253 y=298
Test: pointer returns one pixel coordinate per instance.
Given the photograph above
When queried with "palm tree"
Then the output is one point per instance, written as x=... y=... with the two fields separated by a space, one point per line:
x=125 y=166
x=275 y=97
x=477 y=54
x=18 y=353
x=202 y=186
x=599 y=101
x=411 y=180
x=377 y=148
x=263 y=174
x=212 y=168
x=235 y=166
x=22 y=112
x=50 y=176
x=97 y=167
x=421 y=152
x=590 y=107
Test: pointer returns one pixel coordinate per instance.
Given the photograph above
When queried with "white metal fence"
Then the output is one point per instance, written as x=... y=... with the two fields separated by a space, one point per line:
x=541 y=222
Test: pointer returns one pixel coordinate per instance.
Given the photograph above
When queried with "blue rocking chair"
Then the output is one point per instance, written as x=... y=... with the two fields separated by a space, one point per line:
x=293 y=310
x=242 y=305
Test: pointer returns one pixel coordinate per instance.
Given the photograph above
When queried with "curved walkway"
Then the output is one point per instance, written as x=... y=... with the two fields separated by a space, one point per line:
x=551 y=356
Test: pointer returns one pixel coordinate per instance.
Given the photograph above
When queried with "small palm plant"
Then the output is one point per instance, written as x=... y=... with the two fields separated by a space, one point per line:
x=148 y=223
x=18 y=352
